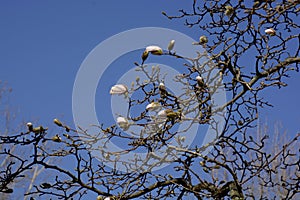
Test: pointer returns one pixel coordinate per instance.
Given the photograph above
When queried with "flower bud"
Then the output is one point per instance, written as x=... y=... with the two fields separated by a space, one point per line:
x=99 y=198
x=56 y=138
x=155 y=50
x=240 y=123
x=270 y=31
x=229 y=10
x=38 y=129
x=171 y=45
x=67 y=128
x=123 y=123
x=30 y=126
x=153 y=106
x=171 y=115
x=67 y=136
x=203 y=39
x=45 y=185
x=145 y=55
x=162 y=87
x=57 y=122
x=162 y=114
x=137 y=79
x=162 y=90
x=200 y=81
x=202 y=163
x=118 y=89
x=167 y=113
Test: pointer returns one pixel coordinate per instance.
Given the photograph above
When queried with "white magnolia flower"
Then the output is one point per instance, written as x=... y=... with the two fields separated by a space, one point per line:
x=200 y=81
x=123 y=123
x=199 y=78
x=156 y=50
x=162 y=87
x=171 y=45
x=165 y=113
x=270 y=31
x=118 y=89
x=162 y=90
x=162 y=114
x=29 y=124
x=153 y=106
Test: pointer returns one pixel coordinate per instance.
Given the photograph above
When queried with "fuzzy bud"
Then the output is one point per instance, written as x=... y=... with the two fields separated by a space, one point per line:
x=270 y=31
x=57 y=122
x=155 y=50
x=56 y=138
x=153 y=106
x=123 y=123
x=171 y=45
x=203 y=39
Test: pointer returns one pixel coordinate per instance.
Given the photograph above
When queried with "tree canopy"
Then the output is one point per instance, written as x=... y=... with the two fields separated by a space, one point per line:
x=248 y=46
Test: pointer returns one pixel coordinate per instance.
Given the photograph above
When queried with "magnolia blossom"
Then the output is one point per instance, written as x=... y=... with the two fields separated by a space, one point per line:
x=199 y=78
x=162 y=90
x=200 y=81
x=270 y=31
x=162 y=87
x=165 y=113
x=153 y=106
x=118 y=89
x=156 y=50
x=162 y=114
x=123 y=123
x=171 y=45
x=30 y=126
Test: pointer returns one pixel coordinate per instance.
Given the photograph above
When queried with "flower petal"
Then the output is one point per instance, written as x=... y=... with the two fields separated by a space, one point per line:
x=156 y=50
x=171 y=45
x=118 y=89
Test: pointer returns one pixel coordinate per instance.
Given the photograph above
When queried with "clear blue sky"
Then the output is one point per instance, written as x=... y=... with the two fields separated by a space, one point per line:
x=43 y=43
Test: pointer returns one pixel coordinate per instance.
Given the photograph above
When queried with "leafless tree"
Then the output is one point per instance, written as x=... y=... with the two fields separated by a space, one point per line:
x=10 y=126
x=249 y=47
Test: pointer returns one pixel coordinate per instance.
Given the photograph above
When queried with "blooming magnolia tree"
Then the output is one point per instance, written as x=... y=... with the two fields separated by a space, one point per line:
x=248 y=47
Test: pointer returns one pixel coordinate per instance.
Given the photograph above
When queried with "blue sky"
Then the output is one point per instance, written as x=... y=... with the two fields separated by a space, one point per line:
x=42 y=45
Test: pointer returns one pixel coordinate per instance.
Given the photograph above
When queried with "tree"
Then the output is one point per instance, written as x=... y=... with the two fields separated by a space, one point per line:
x=277 y=139
x=8 y=126
x=249 y=47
